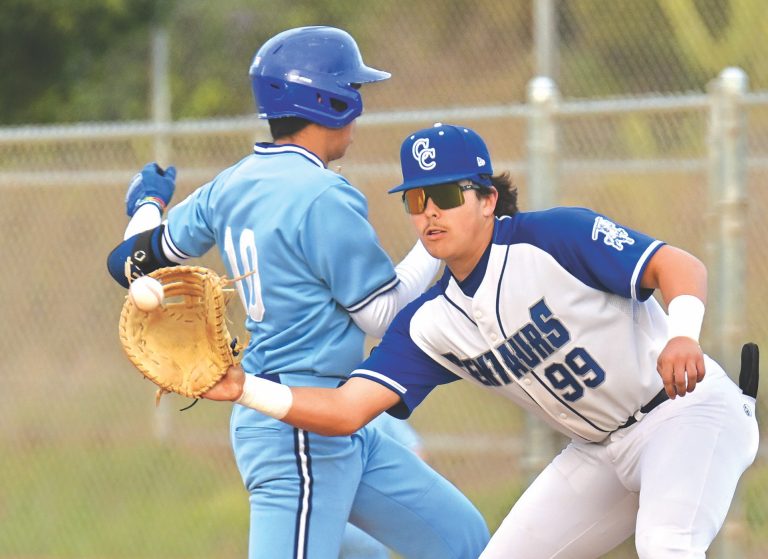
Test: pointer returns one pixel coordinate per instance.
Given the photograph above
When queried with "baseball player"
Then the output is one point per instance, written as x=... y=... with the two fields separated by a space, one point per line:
x=316 y=281
x=553 y=310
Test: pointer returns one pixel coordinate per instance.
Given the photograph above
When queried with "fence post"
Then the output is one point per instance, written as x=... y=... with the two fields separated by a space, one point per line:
x=161 y=94
x=161 y=117
x=542 y=177
x=727 y=214
x=545 y=38
x=728 y=198
x=542 y=192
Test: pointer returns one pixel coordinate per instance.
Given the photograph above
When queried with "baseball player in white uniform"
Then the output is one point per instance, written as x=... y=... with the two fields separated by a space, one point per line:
x=553 y=310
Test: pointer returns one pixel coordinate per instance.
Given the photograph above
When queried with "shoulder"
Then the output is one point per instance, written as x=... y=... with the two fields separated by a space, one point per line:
x=549 y=230
x=542 y=225
x=330 y=195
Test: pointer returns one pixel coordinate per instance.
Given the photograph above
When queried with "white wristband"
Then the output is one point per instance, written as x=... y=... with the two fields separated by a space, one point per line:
x=686 y=314
x=265 y=396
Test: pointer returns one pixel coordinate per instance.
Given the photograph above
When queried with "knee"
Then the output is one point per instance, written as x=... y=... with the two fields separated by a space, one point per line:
x=667 y=542
x=476 y=535
x=464 y=537
x=356 y=544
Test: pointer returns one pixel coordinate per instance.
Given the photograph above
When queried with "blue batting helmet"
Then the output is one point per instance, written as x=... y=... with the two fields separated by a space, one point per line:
x=444 y=153
x=312 y=73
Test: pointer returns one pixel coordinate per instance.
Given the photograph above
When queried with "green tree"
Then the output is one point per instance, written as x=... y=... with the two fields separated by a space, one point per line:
x=210 y=72
x=657 y=46
x=66 y=61
x=713 y=34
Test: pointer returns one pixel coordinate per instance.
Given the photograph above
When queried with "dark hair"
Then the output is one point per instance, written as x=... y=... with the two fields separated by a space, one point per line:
x=286 y=126
x=506 y=204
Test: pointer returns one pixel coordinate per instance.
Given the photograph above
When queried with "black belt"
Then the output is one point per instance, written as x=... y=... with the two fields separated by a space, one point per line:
x=660 y=398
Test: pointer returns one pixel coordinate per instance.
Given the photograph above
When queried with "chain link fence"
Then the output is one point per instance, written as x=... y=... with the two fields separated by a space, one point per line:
x=91 y=468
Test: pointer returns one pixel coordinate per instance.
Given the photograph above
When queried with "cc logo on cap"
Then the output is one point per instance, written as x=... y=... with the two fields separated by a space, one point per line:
x=422 y=153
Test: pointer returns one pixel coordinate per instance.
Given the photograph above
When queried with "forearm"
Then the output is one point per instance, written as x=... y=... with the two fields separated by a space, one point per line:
x=682 y=280
x=327 y=411
x=146 y=217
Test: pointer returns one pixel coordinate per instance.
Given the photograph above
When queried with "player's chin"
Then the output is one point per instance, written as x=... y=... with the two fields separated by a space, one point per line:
x=435 y=245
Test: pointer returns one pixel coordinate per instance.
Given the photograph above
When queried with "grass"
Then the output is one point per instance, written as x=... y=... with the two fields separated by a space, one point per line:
x=141 y=500
x=160 y=500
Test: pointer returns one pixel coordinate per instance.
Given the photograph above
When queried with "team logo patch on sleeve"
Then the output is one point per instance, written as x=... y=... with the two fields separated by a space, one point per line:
x=614 y=236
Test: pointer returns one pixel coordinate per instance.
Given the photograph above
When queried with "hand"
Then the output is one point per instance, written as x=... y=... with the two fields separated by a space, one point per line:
x=229 y=388
x=681 y=366
x=152 y=185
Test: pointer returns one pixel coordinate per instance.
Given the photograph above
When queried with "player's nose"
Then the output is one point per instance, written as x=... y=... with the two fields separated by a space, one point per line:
x=430 y=208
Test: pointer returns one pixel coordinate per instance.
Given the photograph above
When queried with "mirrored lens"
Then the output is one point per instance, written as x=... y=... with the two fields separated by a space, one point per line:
x=414 y=201
x=445 y=196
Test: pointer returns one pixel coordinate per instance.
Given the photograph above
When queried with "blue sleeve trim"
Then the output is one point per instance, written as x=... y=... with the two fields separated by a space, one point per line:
x=641 y=293
x=391 y=284
x=399 y=410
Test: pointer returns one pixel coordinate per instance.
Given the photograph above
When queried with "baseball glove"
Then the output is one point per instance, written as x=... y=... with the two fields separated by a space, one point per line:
x=183 y=346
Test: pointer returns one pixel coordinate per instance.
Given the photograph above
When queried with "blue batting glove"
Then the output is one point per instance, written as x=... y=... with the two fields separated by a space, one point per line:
x=152 y=185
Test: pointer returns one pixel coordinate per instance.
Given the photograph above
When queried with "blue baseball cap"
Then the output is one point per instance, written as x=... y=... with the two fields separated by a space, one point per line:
x=444 y=153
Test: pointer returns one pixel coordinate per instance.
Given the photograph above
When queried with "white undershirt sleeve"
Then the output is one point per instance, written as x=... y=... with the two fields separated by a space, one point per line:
x=415 y=273
x=147 y=216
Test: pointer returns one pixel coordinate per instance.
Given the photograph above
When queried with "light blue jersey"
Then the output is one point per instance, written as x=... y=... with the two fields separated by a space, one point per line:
x=302 y=232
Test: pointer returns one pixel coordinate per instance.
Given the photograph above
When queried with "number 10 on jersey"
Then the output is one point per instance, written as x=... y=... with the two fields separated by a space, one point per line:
x=249 y=287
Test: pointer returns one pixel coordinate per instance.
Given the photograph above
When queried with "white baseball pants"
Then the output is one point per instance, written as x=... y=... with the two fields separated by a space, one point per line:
x=669 y=478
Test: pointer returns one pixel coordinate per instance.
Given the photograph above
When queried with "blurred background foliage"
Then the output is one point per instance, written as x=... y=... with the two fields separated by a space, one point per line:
x=87 y=60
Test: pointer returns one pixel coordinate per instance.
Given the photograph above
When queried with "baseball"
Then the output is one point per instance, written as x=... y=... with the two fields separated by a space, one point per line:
x=146 y=293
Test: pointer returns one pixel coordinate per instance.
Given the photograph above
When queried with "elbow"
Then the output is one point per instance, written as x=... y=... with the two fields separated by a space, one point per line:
x=699 y=278
x=372 y=324
x=377 y=331
x=342 y=428
x=343 y=424
x=702 y=269
x=116 y=263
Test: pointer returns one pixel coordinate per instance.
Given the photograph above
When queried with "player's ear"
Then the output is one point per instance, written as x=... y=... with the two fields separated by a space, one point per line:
x=489 y=202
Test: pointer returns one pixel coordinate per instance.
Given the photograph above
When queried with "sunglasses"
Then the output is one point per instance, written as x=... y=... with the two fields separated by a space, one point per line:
x=445 y=196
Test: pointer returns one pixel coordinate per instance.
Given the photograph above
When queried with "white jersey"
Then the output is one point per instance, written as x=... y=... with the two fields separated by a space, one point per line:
x=552 y=317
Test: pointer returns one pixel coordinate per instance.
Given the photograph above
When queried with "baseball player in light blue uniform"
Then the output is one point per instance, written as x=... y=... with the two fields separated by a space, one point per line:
x=356 y=544
x=316 y=280
x=553 y=310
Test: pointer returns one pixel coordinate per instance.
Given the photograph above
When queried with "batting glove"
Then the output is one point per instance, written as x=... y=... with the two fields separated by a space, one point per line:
x=152 y=185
